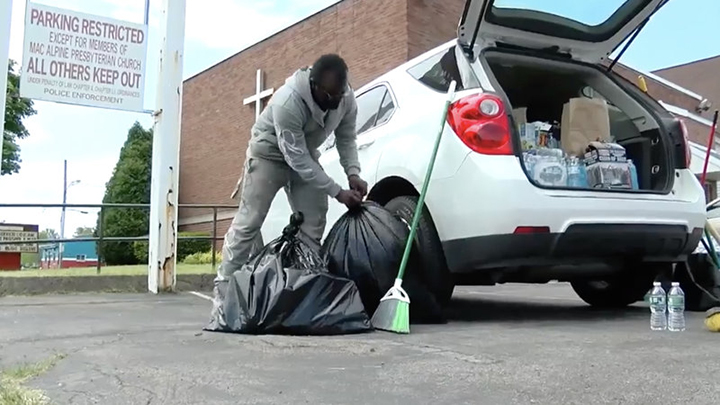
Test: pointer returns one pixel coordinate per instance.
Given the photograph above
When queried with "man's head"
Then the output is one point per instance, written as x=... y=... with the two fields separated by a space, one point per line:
x=328 y=81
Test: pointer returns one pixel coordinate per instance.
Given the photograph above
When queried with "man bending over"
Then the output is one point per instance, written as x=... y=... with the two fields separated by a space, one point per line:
x=283 y=153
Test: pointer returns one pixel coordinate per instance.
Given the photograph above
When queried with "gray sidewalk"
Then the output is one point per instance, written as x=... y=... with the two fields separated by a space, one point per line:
x=505 y=345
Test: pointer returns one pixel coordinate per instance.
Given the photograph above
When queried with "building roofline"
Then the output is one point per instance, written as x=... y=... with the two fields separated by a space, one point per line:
x=258 y=42
x=666 y=82
x=687 y=63
x=685 y=113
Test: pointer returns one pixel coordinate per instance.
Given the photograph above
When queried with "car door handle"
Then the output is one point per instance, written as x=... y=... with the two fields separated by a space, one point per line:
x=365 y=145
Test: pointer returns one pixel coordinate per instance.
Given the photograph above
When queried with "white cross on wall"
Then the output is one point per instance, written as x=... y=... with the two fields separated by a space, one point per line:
x=259 y=94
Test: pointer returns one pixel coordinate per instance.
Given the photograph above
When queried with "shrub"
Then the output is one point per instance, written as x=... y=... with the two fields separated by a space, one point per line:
x=185 y=247
x=202 y=258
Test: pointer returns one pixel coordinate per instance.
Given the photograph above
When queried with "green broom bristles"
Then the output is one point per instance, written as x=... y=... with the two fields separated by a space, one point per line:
x=393 y=313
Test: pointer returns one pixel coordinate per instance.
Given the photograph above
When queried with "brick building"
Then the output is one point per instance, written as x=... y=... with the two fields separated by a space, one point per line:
x=216 y=123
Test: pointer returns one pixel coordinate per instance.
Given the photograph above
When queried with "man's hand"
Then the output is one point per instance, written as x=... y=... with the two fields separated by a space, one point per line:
x=350 y=198
x=358 y=184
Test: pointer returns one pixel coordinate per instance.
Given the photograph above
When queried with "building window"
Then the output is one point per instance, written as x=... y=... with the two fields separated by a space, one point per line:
x=80 y=258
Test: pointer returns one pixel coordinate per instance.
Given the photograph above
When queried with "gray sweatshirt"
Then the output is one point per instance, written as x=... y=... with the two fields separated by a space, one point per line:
x=292 y=127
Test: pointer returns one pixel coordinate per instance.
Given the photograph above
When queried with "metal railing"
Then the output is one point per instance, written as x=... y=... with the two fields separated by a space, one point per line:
x=99 y=230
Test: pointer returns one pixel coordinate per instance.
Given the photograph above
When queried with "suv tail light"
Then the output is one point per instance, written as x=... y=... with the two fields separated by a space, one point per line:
x=480 y=121
x=686 y=139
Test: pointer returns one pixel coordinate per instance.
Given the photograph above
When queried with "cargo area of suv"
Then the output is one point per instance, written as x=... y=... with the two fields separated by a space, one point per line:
x=574 y=126
x=577 y=128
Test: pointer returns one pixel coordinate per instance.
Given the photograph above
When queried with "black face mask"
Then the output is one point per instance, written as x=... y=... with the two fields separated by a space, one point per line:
x=332 y=104
x=328 y=101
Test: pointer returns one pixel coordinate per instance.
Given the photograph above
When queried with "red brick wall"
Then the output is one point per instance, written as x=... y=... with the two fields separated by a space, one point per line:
x=215 y=123
x=698 y=132
x=702 y=77
x=431 y=23
x=658 y=90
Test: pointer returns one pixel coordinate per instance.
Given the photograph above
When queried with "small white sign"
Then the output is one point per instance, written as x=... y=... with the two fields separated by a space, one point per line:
x=19 y=236
x=83 y=59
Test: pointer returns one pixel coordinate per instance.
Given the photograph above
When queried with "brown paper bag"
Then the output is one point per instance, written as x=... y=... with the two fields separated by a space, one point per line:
x=584 y=120
x=520 y=116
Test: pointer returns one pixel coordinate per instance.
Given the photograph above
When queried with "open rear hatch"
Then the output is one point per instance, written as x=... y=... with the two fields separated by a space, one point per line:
x=586 y=30
x=577 y=126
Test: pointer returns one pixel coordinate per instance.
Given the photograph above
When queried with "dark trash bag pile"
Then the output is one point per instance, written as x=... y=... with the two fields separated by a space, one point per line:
x=366 y=245
x=286 y=289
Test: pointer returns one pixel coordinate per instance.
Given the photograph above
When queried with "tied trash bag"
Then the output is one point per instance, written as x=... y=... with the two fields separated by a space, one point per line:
x=366 y=245
x=286 y=289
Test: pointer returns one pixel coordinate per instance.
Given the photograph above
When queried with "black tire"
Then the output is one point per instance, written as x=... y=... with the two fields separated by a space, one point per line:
x=625 y=288
x=434 y=273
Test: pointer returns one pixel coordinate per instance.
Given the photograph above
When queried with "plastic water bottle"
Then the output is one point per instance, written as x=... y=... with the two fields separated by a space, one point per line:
x=583 y=175
x=633 y=175
x=676 y=308
x=658 y=307
x=573 y=172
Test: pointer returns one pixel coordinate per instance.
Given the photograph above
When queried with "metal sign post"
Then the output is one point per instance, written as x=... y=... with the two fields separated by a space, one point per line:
x=5 y=22
x=166 y=152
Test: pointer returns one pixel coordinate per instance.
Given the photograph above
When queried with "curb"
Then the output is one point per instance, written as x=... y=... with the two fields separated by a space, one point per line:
x=84 y=284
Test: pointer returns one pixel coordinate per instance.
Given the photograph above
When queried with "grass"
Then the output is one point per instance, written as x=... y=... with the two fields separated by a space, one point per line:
x=12 y=390
x=136 y=270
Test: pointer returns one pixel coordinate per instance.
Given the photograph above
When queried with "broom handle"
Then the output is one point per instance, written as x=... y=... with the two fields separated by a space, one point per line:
x=709 y=148
x=421 y=200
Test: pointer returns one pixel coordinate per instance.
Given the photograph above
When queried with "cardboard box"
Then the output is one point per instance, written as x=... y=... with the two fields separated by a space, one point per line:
x=604 y=152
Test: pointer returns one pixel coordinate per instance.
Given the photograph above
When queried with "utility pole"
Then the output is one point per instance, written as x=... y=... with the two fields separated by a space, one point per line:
x=61 y=247
x=162 y=257
x=5 y=21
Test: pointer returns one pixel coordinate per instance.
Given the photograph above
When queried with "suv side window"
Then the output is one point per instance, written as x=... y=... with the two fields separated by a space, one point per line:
x=374 y=107
x=440 y=69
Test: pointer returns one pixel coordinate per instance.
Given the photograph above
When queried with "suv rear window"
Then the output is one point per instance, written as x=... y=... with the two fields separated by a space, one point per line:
x=440 y=69
x=585 y=20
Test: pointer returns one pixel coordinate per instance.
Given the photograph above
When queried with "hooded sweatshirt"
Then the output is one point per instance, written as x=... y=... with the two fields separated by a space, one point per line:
x=293 y=126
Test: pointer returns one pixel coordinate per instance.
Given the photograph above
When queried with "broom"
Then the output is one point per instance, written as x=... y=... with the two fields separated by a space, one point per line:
x=393 y=312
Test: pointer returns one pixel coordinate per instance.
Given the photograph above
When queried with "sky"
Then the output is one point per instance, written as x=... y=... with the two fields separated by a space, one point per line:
x=90 y=138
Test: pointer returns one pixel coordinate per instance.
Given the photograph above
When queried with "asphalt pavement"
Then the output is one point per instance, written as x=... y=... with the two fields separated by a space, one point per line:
x=515 y=344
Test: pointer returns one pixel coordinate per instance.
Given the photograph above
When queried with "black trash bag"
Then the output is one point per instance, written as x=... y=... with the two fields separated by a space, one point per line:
x=700 y=282
x=366 y=245
x=285 y=288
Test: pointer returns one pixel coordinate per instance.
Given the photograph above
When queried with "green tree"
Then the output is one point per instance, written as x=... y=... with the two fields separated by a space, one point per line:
x=48 y=233
x=129 y=184
x=84 y=231
x=16 y=110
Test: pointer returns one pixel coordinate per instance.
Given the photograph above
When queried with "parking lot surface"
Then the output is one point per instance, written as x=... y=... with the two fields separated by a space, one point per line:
x=515 y=344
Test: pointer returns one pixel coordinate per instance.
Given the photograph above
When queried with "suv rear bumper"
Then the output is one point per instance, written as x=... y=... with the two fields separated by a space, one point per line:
x=491 y=195
x=580 y=243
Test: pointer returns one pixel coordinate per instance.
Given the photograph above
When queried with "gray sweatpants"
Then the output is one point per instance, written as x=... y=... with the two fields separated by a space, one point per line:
x=262 y=179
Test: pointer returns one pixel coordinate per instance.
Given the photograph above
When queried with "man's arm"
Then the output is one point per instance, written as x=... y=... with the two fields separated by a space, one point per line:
x=291 y=141
x=345 y=137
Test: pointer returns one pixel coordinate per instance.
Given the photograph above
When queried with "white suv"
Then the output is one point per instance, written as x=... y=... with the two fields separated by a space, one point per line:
x=488 y=221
